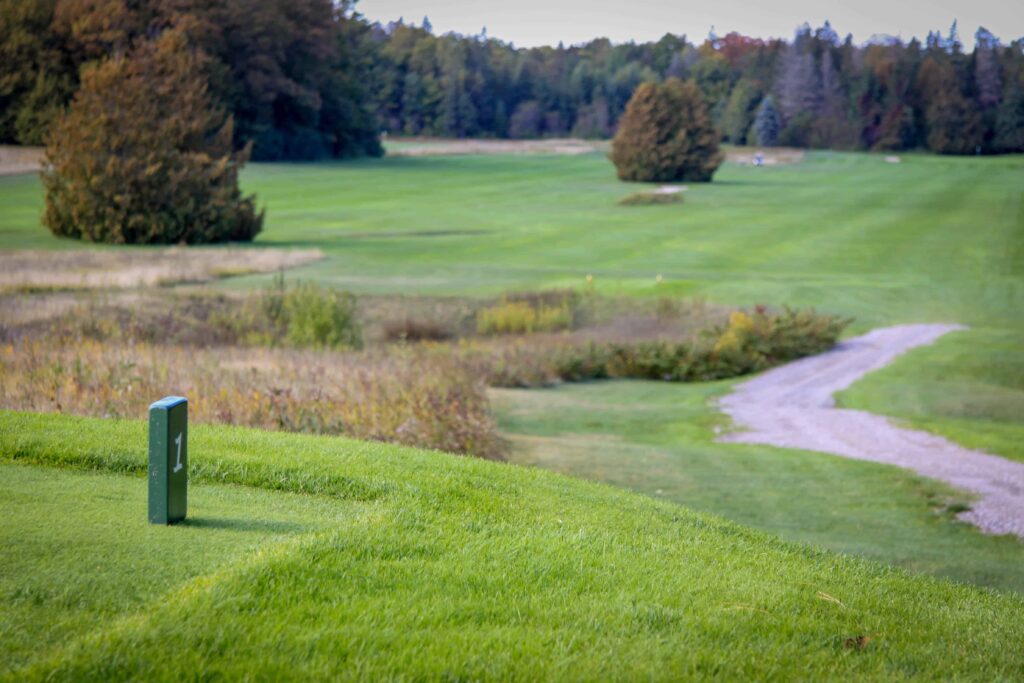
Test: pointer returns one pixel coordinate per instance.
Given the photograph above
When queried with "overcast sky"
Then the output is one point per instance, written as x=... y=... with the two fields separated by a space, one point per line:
x=546 y=22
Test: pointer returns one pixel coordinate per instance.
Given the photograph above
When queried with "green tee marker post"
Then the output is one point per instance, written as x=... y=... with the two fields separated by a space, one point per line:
x=168 y=460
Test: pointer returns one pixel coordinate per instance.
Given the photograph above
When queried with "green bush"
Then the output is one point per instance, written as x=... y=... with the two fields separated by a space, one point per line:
x=749 y=342
x=309 y=315
x=321 y=317
x=525 y=317
x=666 y=135
x=143 y=157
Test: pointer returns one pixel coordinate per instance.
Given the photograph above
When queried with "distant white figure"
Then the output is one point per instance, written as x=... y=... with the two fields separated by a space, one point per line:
x=759 y=159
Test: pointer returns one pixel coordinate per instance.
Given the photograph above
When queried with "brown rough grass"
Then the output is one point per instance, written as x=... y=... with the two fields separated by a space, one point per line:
x=110 y=353
x=28 y=270
x=403 y=397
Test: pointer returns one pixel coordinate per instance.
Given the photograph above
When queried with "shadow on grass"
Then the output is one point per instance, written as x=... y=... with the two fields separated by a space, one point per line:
x=234 y=524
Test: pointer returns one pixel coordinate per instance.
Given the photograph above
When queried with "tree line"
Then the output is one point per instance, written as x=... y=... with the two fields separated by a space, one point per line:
x=292 y=74
x=305 y=79
x=817 y=90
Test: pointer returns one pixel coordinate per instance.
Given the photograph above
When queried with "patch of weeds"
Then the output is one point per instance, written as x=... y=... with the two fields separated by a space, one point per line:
x=430 y=400
x=415 y=330
x=651 y=198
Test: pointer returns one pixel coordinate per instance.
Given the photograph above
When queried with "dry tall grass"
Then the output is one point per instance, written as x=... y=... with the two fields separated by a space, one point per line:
x=28 y=271
x=112 y=355
x=403 y=397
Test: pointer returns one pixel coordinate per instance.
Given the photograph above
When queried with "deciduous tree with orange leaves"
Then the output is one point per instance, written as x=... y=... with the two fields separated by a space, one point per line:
x=666 y=135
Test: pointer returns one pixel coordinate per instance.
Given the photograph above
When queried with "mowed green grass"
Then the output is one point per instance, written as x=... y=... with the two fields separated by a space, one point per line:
x=77 y=551
x=371 y=561
x=658 y=439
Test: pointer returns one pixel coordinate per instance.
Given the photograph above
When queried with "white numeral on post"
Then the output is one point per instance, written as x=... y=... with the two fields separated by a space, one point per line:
x=177 y=465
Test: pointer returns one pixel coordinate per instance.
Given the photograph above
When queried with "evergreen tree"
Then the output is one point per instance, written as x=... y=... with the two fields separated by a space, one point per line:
x=143 y=157
x=36 y=78
x=799 y=84
x=666 y=135
x=953 y=125
x=986 y=69
x=767 y=124
x=1009 y=126
x=831 y=88
x=739 y=111
x=525 y=121
x=592 y=120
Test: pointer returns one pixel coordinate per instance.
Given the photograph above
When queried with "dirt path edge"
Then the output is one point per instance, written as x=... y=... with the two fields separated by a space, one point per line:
x=792 y=406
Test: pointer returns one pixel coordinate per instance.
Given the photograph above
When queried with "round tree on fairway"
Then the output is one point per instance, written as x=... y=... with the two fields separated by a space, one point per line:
x=666 y=135
x=142 y=156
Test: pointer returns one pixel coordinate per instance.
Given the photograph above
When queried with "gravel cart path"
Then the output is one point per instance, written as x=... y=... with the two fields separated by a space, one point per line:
x=792 y=407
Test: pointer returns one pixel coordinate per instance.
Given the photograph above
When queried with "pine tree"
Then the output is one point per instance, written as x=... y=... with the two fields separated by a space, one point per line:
x=739 y=111
x=767 y=124
x=525 y=121
x=412 y=104
x=143 y=157
x=952 y=43
x=831 y=88
x=36 y=80
x=1009 y=128
x=953 y=124
x=986 y=69
x=666 y=135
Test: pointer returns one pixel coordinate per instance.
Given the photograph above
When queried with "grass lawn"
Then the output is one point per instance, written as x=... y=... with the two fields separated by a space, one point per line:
x=76 y=550
x=656 y=438
x=362 y=560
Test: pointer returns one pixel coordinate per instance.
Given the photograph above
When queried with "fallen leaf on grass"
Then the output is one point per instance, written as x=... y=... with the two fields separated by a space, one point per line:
x=858 y=643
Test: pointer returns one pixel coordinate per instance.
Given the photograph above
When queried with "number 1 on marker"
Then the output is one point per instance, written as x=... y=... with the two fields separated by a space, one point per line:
x=177 y=465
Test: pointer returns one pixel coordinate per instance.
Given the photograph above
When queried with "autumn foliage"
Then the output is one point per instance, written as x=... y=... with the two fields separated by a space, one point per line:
x=666 y=135
x=142 y=156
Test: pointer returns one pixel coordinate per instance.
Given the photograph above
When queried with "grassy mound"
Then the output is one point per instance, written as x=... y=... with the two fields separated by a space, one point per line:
x=347 y=559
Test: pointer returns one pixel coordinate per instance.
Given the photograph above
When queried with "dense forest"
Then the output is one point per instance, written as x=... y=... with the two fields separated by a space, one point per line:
x=311 y=78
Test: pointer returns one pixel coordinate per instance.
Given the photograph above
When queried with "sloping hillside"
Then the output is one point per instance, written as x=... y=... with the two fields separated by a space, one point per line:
x=326 y=557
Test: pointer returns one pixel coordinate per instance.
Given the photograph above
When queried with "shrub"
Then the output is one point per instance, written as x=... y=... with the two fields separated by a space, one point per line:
x=415 y=330
x=143 y=157
x=666 y=135
x=521 y=317
x=749 y=342
x=321 y=317
x=304 y=315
